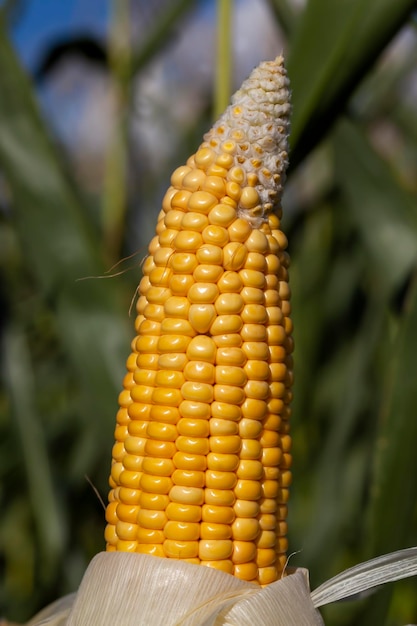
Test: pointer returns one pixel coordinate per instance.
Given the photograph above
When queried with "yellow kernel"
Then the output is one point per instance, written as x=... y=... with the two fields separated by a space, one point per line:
x=169 y=378
x=253 y=295
x=177 y=306
x=245 y=529
x=216 y=235
x=193 y=180
x=266 y=539
x=225 y=444
x=126 y=531
x=222 y=462
x=223 y=427
x=221 y=480
x=183 y=262
x=158 y=466
x=136 y=444
x=147 y=343
x=215 y=531
x=256 y=261
x=145 y=377
x=126 y=546
x=256 y=350
x=180 y=284
x=222 y=215
x=271 y=298
x=197 y=391
x=173 y=343
x=165 y=414
x=186 y=241
x=148 y=361
x=254 y=333
x=177 y=326
x=201 y=348
x=217 y=514
x=172 y=220
x=205 y=273
x=233 y=191
x=129 y=496
x=126 y=478
x=229 y=304
x=139 y=393
x=270 y=489
x=150 y=535
x=267 y=521
x=248 y=489
x=178 y=175
x=237 y=174
x=200 y=371
x=192 y=445
x=167 y=237
x=160 y=276
x=110 y=536
x=193 y=427
x=226 y=324
x=270 y=439
x=251 y=449
x=231 y=340
x=151 y=550
x=193 y=221
x=133 y=462
x=226 y=411
x=254 y=314
x=275 y=315
x=271 y=457
x=180 y=549
x=218 y=496
x=190 y=461
x=187 y=495
x=250 y=428
x=230 y=356
x=271 y=473
x=230 y=282
x=182 y=531
x=265 y=557
x=198 y=410
x=204 y=157
x=202 y=316
x=243 y=551
x=147 y=518
x=267 y=575
x=166 y=396
x=173 y=361
x=257 y=242
x=246 y=571
x=252 y=278
x=165 y=449
x=204 y=293
x=215 y=185
x=210 y=255
x=183 y=512
x=286 y=478
x=150 y=327
x=138 y=411
x=246 y=508
x=250 y=469
x=229 y=394
x=281 y=545
x=163 y=432
x=111 y=516
x=155 y=484
x=249 y=198
x=229 y=147
x=153 y=501
x=188 y=478
x=201 y=201
x=257 y=370
x=234 y=256
x=215 y=549
x=239 y=230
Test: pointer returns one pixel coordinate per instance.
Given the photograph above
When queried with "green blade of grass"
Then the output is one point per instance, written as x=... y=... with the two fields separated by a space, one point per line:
x=60 y=247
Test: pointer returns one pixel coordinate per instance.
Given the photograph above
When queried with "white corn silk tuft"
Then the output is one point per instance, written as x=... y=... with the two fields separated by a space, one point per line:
x=258 y=122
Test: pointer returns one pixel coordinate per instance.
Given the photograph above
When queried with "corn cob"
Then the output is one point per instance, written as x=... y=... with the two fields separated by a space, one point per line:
x=201 y=461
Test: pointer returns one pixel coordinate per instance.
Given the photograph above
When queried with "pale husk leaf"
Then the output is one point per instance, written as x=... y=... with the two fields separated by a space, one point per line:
x=139 y=590
x=362 y=578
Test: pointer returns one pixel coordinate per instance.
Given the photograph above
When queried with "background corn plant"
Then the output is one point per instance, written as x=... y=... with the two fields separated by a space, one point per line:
x=351 y=217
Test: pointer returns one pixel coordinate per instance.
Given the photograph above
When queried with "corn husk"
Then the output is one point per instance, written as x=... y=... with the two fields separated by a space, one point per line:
x=122 y=589
x=140 y=590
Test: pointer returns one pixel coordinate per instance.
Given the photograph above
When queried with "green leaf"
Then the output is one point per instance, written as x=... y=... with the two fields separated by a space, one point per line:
x=384 y=212
x=334 y=46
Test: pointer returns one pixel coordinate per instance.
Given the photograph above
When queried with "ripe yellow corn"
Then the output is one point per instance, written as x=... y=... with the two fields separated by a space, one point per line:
x=201 y=462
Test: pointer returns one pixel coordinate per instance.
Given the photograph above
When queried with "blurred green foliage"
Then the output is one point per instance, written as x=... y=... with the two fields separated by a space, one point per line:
x=353 y=241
